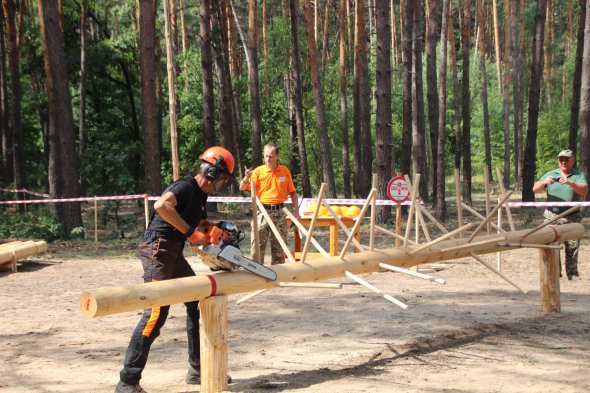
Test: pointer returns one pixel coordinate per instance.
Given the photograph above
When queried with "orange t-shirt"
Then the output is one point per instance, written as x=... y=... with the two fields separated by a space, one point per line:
x=272 y=187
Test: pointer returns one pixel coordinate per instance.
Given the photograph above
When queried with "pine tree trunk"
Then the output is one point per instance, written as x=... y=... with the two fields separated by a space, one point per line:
x=441 y=206
x=466 y=100
x=149 y=101
x=514 y=61
x=227 y=104
x=383 y=142
x=60 y=109
x=432 y=96
x=458 y=143
x=82 y=92
x=18 y=148
x=327 y=171
x=171 y=89
x=408 y=17
x=344 y=102
x=585 y=101
x=529 y=167
x=418 y=119
x=506 y=90
x=484 y=89
x=577 y=81
x=254 y=87
x=6 y=167
x=298 y=100
x=207 y=74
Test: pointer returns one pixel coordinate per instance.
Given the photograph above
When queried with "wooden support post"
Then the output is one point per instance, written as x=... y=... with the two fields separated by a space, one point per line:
x=412 y=207
x=214 y=333
x=146 y=209
x=476 y=214
x=275 y=231
x=251 y=295
x=490 y=216
x=549 y=275
x=419 y=209
x=304 y=232
x=458 y=199
x=398 y=220
x=499 y=253
x=503 y=190
x=256 y=251
x=373 y=213
x=356 y=226
x=95 y=221
x=312 y=224
x=487 y=195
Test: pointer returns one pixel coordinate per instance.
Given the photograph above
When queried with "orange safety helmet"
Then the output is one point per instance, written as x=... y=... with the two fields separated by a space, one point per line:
x=221 y=160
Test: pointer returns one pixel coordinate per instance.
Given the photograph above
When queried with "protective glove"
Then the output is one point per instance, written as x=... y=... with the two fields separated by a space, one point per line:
x=195 y=237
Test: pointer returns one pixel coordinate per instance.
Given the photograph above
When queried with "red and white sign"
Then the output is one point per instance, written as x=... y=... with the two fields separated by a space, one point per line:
x=398 y=190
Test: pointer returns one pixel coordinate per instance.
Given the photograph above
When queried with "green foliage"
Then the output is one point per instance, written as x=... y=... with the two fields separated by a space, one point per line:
x=37 y=223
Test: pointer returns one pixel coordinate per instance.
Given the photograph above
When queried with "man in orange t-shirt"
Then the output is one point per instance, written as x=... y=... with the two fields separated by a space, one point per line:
x=273 y=183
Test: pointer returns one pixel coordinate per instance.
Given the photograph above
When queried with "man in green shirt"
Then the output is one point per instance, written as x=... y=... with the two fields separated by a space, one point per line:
x=564 y=184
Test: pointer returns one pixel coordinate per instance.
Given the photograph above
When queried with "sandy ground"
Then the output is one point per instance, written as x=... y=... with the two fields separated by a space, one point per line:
x=476 y=333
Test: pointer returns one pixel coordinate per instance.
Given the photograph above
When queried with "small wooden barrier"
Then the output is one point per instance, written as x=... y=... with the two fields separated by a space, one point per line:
x=12 y=250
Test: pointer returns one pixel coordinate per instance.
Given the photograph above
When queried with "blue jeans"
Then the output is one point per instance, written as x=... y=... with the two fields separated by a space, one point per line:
x=162 y=259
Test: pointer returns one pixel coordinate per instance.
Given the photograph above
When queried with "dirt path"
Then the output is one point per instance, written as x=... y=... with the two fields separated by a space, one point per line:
x=474 y=334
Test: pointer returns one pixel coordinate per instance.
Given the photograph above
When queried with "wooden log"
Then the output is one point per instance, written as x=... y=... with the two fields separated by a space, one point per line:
x=22 y=250
x=213 y=329
x=549 y=277
x=108 y=301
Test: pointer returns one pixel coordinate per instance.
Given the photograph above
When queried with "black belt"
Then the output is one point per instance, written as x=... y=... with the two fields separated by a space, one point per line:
x=273 y=207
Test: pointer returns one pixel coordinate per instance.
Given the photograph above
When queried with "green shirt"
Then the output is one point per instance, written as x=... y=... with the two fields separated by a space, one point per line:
x=558 y=192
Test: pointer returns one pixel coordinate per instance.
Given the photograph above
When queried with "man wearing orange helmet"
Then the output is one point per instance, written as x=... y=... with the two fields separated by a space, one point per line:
x=180 y=215
x=273 y=183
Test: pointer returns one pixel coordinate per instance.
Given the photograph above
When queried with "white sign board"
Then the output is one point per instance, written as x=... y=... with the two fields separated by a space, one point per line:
x=398 y=190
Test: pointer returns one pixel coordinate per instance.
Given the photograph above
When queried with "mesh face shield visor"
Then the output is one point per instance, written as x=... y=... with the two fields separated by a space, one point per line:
x=222 y=182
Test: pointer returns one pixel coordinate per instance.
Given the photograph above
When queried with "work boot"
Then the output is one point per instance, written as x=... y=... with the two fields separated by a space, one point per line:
x=193 y=377
x=123 y=387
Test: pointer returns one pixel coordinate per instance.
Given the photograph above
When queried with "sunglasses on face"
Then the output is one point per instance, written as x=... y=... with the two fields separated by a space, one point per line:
x=563 y=159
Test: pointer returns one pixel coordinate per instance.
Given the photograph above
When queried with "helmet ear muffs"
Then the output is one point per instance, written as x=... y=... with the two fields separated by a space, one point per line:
x=214 y=171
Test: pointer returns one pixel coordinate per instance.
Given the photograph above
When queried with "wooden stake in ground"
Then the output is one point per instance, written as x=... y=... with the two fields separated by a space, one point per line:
x=213 y=329
x=549 y=276
x=458 y=199
x=256 y=251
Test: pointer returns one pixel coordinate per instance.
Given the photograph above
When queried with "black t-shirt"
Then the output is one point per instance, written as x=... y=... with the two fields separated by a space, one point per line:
x=190 y=205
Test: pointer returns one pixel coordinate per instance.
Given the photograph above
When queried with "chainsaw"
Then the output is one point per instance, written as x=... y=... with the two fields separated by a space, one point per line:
x=223 y=252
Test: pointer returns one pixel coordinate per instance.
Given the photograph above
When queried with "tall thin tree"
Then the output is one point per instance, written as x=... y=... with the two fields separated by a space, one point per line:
x=322 y=121
x=60 y=110
x=585 y=100
x=441 y=206
x=18 y=148
x=298 y=99
x=529 y=166
x=383 y=138
x=432 y=97
x=408 y=17
x=466 y=100
x=207 y=74
x=344 y=102
x=152 y=150
x=253 y=84
x=577 y=80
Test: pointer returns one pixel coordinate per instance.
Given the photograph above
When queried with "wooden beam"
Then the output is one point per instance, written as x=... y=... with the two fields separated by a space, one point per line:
x=108 y=301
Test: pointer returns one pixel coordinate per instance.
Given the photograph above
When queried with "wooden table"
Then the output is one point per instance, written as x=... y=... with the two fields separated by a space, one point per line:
x=322 y=221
